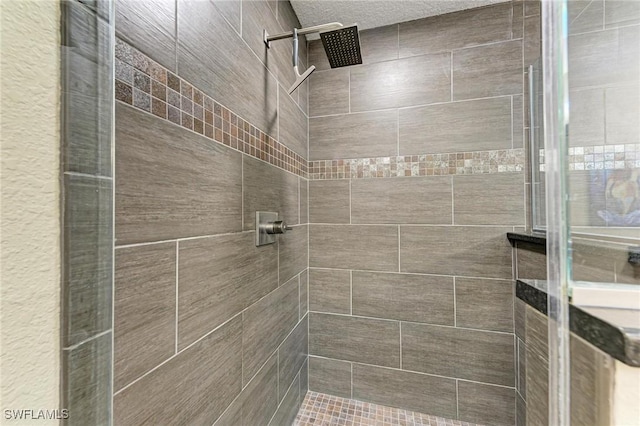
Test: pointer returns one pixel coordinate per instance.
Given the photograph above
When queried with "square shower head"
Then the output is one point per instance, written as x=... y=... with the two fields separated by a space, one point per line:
x=342 y=46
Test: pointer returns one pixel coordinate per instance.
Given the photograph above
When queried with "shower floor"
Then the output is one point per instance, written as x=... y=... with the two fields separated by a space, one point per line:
x=322 y=409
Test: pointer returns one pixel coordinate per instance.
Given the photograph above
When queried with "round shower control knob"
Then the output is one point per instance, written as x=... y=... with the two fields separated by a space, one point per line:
x=277 y=227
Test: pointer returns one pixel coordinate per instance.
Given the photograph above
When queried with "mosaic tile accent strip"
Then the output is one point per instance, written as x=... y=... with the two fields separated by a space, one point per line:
x=147 y=85
x=601 y=157
x=319 y=409
x=459 y=163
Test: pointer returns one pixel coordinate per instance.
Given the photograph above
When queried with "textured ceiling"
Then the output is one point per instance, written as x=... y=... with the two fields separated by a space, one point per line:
x=376 y=13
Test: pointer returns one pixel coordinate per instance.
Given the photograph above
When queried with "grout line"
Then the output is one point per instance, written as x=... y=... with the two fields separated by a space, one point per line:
x=123 y=246
x=415 y=106
x=455 y=305
x=414 y=372
x=453 y=203
x=399 y=260
x=480 y=330
x=351 y=373
x=457 y=402
x=350 y=292
x=86 y=175
x=400 y=323
x=87 y=340
x=410 y=273
x=177 y=281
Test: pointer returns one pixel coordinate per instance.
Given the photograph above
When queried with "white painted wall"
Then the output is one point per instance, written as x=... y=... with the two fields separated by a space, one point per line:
x=30 y=206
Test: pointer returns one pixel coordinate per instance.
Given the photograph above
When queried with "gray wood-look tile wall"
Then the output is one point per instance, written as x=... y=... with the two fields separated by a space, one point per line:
x=592 y=373
x=208 y=327
x=411 y=281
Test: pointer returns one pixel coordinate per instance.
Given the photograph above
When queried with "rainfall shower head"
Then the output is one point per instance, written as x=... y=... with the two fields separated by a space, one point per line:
x=342 y=46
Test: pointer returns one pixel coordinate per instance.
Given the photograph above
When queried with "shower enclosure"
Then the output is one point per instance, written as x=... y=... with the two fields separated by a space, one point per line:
x=585 y=183
x=395 y=286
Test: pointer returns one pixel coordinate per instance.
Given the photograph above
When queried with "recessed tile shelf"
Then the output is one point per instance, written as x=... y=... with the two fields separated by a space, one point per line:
x=609 y=329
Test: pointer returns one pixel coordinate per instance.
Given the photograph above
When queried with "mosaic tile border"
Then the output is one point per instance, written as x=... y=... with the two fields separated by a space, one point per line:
x=148 y=86
x=322 y=409
x=458 y=163
x=601 y=157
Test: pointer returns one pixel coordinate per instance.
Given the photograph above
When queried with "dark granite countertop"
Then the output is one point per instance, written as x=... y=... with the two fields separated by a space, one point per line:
x=614 y=331
x=528 y=237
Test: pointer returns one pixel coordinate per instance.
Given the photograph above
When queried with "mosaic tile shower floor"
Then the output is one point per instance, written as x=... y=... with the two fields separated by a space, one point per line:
x=326 y=410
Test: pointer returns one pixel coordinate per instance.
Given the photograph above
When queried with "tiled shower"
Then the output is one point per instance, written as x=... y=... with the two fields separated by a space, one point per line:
x=392 y=298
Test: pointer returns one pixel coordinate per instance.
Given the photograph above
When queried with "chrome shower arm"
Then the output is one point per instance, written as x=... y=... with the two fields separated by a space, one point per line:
x=302 y=31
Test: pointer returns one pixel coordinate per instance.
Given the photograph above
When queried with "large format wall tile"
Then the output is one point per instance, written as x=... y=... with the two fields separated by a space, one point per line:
x=354 y=247
x=330 y=376
x=293 y=252
x=267 y=188
x=256 y=17
x=379 y=44
x=144 y=308
x=411 y=81
x=260 y=397
x=607 y=57
x=479 y=355
x=304 y=200
x=369 y=341
x=424 y=200
x=150 y=27
x=329 y=201
x=459 y=126
x=489 y=199
x=329 y=92
x=486 y=404
x=266 y=324
x=212 y=56
x=157 y=164
x=330 y=290
x=288 y=409
x=371 y=134
x=455 y=30
x=414 y=391
x=219 y=277
x=293 y=124
x=456 y=250
x=196 y=386
x=622 y=112
x=405 y=297
x=484 y=71
x=318 y=56
x=531 y=261
x=587 y=123
x=88 y=256
x=291 y=355
x=484 y=304
x=304 y=293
